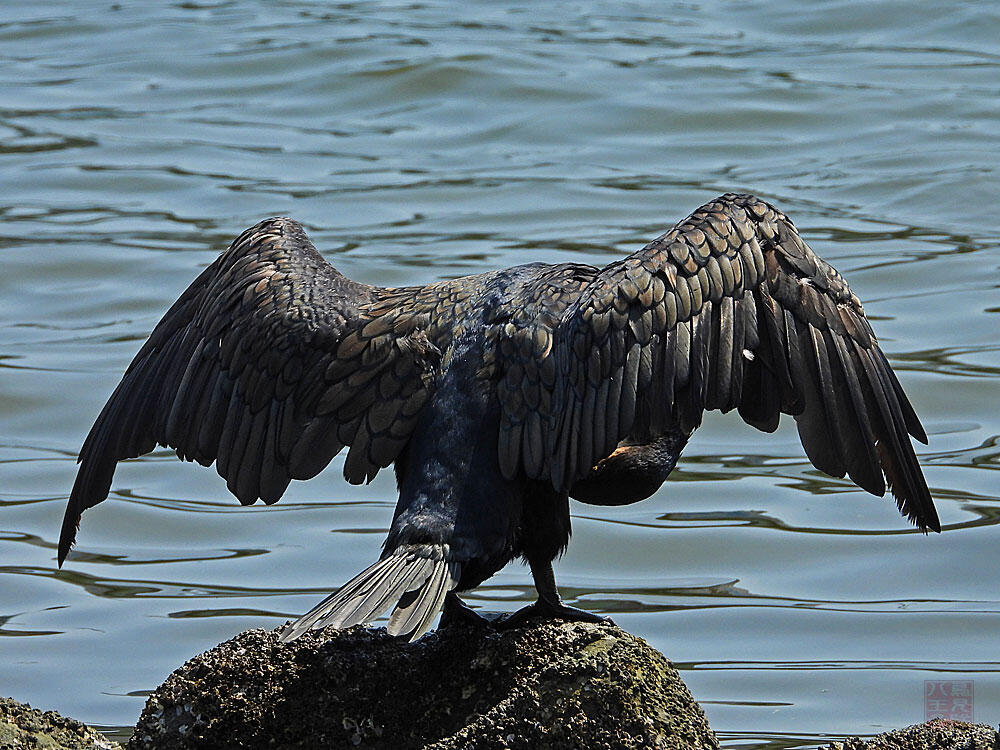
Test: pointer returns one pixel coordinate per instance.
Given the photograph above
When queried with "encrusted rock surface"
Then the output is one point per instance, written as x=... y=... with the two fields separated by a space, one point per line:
x=553 y=685
x=936 y=734
x=23 y=727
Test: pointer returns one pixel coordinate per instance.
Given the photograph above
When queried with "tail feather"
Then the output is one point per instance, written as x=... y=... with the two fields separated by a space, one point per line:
x=389 y=580
x=415 y=614
x=410 y=576
x=368 y=599
x=415 y=578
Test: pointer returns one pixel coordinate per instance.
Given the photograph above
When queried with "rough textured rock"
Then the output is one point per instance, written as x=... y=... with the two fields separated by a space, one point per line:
x=554 y=685
x=933 y=735
x=22 y=726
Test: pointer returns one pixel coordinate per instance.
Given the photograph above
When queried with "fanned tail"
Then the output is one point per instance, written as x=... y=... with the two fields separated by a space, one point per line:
x=414 y=577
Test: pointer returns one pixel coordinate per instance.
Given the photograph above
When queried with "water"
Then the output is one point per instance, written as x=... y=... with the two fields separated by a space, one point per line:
x=425 y=141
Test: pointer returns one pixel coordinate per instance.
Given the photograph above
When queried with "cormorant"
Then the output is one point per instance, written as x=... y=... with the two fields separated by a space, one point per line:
x=499 y=396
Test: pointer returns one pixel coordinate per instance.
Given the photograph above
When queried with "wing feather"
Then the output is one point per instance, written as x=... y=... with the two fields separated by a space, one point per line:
x=729 y=309
x=269 y=364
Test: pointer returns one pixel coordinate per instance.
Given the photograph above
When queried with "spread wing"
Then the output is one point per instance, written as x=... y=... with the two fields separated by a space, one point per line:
x=728 y=310
x=269 y=364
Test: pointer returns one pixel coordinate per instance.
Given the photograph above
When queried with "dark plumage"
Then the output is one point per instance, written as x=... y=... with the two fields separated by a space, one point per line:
x=497 y=396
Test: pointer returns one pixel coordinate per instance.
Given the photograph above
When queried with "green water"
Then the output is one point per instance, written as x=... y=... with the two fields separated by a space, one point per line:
x=429 y=140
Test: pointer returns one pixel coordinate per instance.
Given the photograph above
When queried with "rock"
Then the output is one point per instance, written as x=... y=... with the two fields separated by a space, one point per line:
x=22 y=726
x=553 y=685
x=936 y=734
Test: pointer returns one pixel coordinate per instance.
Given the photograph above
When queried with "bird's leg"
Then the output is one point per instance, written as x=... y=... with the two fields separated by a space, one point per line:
x=549 y=606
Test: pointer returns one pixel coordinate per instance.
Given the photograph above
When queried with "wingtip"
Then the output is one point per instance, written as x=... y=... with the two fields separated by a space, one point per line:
x=919 y=508
x=922 y=512
x=931 y=524
x=70 y=525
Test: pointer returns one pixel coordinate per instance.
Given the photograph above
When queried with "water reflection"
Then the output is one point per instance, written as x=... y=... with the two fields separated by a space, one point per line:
x=121 y=588
x=754 y=741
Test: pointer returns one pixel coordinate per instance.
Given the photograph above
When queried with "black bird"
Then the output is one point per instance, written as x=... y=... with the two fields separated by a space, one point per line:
x=499 y=396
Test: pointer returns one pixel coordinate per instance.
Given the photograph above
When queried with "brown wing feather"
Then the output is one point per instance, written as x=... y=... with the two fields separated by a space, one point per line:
x=729 y=309
x=269 y=364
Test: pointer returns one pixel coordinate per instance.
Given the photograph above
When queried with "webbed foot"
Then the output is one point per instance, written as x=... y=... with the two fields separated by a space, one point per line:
x=549 y=606
x=547 y=610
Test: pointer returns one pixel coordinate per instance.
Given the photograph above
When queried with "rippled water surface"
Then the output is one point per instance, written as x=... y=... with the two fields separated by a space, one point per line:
x=425 y=141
